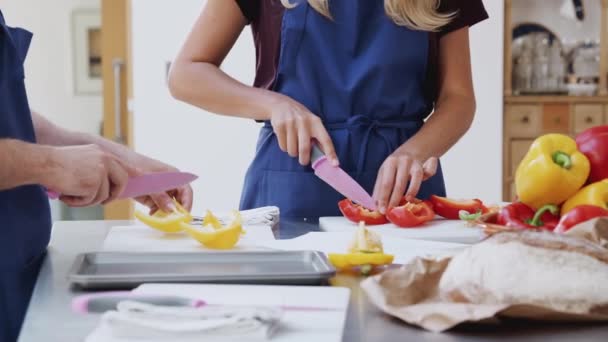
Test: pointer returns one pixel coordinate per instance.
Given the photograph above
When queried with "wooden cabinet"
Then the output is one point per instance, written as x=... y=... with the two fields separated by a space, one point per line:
x=586 y=116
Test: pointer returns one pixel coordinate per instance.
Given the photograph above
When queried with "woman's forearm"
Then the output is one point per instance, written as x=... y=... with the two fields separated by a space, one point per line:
x=451 y=120
x=206 y=86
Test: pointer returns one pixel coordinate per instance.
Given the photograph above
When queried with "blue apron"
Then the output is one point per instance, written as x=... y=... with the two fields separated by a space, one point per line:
x=25 y=221
x=364 y=76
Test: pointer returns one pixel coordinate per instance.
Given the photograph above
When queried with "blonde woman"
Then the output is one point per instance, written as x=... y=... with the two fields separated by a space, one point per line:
x=357 y=76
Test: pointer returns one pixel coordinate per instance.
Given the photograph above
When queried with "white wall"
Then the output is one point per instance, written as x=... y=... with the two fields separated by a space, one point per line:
x=219 y=149
x=473 y=168
x=216 y=148
x=48 y=66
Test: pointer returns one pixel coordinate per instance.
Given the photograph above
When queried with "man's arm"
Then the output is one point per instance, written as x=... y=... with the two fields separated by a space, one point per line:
x=51 y=134
x=23 y=163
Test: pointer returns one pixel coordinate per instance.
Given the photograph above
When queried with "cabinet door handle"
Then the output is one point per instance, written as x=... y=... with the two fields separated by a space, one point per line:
x=117 y=65
x=525 y=119
x=589 y=120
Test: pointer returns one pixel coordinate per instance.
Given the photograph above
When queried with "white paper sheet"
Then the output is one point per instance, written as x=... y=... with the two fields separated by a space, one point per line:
x=404 y=250
x=300 y=322
x=145 y=239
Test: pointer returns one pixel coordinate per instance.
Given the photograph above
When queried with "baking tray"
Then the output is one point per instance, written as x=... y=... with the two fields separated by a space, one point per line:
x=102 y=270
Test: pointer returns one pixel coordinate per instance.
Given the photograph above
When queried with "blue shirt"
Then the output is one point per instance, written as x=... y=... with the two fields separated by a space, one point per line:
x=25 y=220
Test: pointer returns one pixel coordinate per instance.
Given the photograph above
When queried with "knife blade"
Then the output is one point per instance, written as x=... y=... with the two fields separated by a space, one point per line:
x=152 y=183
x=339 y=179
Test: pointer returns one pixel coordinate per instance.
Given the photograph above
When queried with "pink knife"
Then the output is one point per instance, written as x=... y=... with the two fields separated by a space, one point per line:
x=152 y=183
x=339 y=179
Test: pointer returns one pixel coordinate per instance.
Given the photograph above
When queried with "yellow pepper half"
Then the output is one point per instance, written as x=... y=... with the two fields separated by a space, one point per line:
x=365 y=250
x=552 y=171
x=215 y=236
x=166 y=222
x=344 y=261
x=593 y=194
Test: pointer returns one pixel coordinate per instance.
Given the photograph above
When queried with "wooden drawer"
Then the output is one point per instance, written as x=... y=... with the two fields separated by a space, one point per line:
x=556 y=118
x=523 y=121
x=518 y=150
x=587 y=116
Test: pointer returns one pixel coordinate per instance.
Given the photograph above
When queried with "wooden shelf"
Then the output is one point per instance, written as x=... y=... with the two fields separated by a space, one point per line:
x=554 y=99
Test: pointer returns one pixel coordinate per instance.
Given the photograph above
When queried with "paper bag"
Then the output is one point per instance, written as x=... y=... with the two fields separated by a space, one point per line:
x=411 y=293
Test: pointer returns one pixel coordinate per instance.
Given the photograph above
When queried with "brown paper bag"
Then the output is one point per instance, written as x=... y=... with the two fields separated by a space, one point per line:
x=411 y=293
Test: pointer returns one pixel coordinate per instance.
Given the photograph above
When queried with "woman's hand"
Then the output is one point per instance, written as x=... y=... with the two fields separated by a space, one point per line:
x=393 y=177
x=295 y=127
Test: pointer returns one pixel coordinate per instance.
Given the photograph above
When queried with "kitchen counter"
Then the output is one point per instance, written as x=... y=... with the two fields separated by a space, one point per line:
x=49 y=317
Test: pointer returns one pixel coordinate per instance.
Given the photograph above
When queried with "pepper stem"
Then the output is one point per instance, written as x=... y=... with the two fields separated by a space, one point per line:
x=466 y=216
x=562 y=159
x=536 y=221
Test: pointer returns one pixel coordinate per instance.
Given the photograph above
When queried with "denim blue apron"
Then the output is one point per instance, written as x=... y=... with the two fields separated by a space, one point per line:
x=364 y=77
x=25 y=221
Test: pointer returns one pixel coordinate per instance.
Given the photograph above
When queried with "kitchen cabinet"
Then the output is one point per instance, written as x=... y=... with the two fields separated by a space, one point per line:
x=531 y=113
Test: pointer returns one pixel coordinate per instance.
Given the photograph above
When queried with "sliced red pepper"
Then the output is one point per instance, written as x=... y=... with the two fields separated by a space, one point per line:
x=356 y=213
x=411 y=214
x=519 y=215
x=593 y=143
x=450 y=208
x=578 y=215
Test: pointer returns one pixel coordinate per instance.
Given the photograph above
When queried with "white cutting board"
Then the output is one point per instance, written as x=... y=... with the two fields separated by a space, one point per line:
x=404 y=250
x=436 y=230
x=144 y=239
x=304 y=325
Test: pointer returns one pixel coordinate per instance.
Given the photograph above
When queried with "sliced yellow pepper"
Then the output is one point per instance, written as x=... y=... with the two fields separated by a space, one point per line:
x=343 y=261
x=365 y=250
x=214 y=235
x=551 y=172
x=166 y=222
x=593 y=194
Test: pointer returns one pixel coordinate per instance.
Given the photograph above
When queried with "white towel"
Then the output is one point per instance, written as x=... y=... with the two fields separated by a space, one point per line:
x=134 y=321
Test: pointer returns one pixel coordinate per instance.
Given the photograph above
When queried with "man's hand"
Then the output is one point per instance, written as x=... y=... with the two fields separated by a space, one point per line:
x=86 y=175
x=162 y=201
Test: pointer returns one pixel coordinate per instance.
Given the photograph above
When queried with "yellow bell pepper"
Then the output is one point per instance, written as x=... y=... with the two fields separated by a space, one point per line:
x=166 y=222
x=343 y=261
x=593 y=194
x=365 y=250
x=552 y=171
x=214 y=235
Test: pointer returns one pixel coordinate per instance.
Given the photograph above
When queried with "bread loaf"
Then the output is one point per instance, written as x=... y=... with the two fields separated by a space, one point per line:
x=539 y=268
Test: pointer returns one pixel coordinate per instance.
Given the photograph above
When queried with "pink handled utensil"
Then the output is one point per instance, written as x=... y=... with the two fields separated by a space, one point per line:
x=339 y=179
x=152 y=183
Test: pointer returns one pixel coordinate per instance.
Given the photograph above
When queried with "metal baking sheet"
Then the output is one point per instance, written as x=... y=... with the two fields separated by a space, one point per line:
x=127 y=270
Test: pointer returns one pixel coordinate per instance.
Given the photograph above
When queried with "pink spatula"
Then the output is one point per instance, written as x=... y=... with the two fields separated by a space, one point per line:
x=339 y=179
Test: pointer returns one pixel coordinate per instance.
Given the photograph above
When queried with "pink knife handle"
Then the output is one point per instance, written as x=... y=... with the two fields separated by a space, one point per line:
x=53 y=194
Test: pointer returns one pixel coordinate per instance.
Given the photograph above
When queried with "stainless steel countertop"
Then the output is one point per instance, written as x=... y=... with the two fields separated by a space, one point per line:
x=49 y=317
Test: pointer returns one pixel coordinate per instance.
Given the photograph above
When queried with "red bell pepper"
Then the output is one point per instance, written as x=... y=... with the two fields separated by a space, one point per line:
x=356 y=213
x=519 y=215
x=450 y=208
x=578 y=215
x=593 y=143
x=410 y=214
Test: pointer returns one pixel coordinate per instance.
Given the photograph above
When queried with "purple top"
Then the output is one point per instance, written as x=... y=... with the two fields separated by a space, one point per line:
x=265 y=17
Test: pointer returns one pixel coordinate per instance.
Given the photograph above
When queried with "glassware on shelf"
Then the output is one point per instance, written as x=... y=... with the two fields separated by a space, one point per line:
x=557 y=68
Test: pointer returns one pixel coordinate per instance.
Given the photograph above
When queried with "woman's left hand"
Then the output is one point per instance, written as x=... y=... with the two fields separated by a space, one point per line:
x=394 y=174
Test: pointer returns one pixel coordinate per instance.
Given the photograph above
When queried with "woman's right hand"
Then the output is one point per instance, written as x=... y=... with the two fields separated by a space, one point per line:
x=296 y=127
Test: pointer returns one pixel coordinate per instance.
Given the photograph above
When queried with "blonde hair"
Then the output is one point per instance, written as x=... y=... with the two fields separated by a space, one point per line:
x=416 y=14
